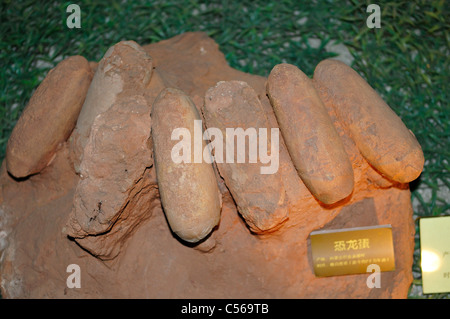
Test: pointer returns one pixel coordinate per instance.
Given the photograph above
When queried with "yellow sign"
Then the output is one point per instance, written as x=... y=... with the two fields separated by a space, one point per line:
x=435 y=254
x=351 y=250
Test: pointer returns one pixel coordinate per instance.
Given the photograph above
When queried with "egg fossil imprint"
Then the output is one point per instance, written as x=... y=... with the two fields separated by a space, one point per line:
x=147 y=130
x=312 y=141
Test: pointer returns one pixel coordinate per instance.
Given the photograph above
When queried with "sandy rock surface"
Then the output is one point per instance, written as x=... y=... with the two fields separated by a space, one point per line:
x=99 y=207
x=49 y=117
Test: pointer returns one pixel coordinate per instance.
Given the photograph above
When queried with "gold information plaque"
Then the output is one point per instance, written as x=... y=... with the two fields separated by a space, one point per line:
x=351 y=250
x=435 y=254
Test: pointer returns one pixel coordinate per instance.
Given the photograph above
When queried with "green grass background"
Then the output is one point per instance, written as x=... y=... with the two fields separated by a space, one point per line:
x=406 y=60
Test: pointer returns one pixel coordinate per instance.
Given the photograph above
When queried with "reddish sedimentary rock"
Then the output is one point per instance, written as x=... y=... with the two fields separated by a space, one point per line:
x=113 y=169
x=378 y=132
x=129 y=251
x=188 y=187
x=49 y=117
x=124 y=70
x=313 y=142
x=110 y=151
x=256 y=187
